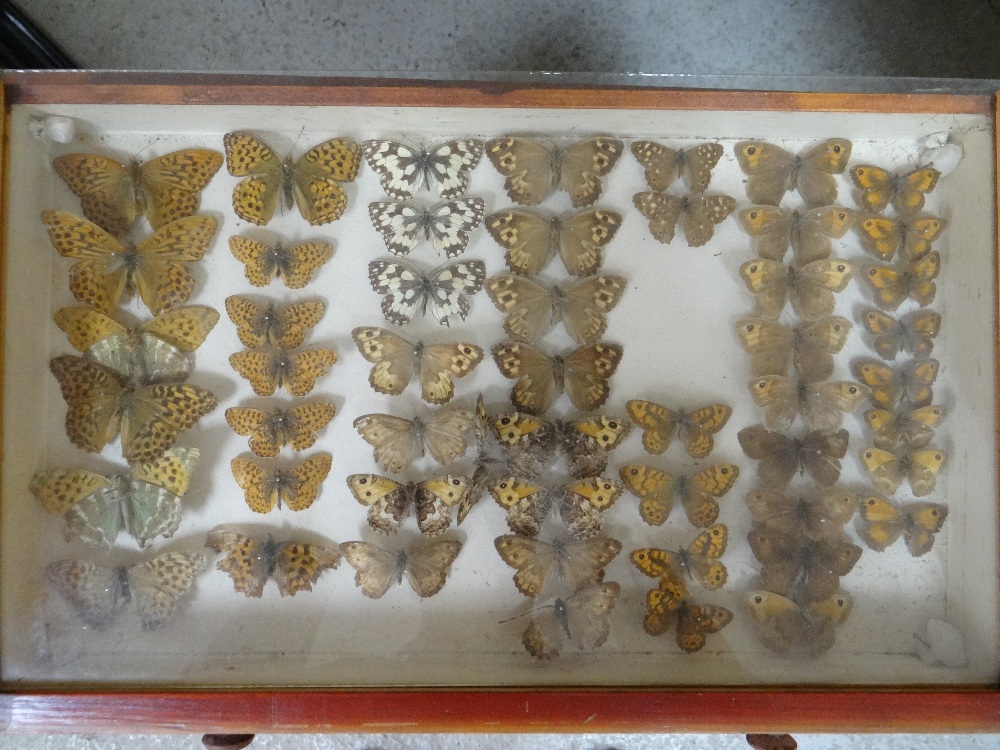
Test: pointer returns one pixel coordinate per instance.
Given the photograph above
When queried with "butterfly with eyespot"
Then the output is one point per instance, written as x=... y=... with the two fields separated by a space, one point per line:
x=249 y=561
x=530 y=239
x=662 y=164
x=802 y=569
x=532 y=309
x=694 y=427
x=699 y=492
x=809 y=347
x=881 y=523
x=540 y=563
x=425 y=566
x=891 y=286
x=397 y=441
x=389 y=502
x=912 y=382
x=407 y=289
x=887 y=470
x=877 y=188
x=815 y=517
x=152 y=352
x=583 y=374
x=580 y=619
x=296 y=372
x=281 y=327
x=773 y=171
x=532 y=171
x=913 y=334
x=670 y=604
x=106 y=269
x=97 y=593
x=164 y=189
x=780 y=457
x=581 y=503
x=697 y=215
x=296 y=488
x=101 y=404
x=403 y=170
x=293 y=265
x=313 y=182
x=807 y=231
x=789 y=629
x=914 y=427
x=810 y=288
x=145 y=501
x=488 y=468
x=446 y=225
x=884 y=236
x=822 y=406
x=269 y=431
x=700 y=560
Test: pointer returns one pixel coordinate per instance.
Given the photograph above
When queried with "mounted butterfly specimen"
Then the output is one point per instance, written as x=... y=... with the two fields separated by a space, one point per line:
x=403 y=170
x=781 y=457
x=822 y=406
x=425 y=566
x=802 y=569
x=397 y=360
x=809 y=516
x=541 y=565
x=294 y=265
x=407 y=290
x=313 y=182
x=113 y=195
x=531 y=239
x=532 y=171
x=888 y=470
x=695 y=427
x=695 y=213
x=810 y=288
x=913 y=427
x=911 y=382
x=296 y=371
x=662 y=164
x=397 y=441
x=877 y=188
x=296 y=488
x=913 y=334
x=389 y=502
x=807 y=231
x=881 y=523
x=282 y=327
x=270 y=431
x=250 y=561
x=790 y=629
x=670 y=605
x=773 y=171
x=155 y=586
x=580 y=620
x=884 y=236
x=809 y=347
x=699 y=493
x=106 y=268
x=891 y=286
x=581 y=503
x=446 y=226
x=145 y=501
x=699 y=560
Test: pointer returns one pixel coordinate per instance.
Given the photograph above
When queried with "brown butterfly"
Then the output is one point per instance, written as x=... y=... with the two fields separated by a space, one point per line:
x=282 y=327
x=810 y=288
x=808 y=231
x=821 y=405
x=773 y=171
x=883 y=236
x=695 y=427
x=892 y=286
x=296 y=371
x=425 y=566
x=270 y=431
x=912 y=381
x=696 y=214
x=913 y=427
x=294 y=265
x=788 y=628
x=882 y=523
x=801 y=568
x=913 y=334
x=794 y=515
x=580 y=619
x=877 y=188
x=780 y=457
x=389 y=502
x=581 y=503
x=397 y=441
x=669 y=604
x=663 y=164
x=250 y=561
x=809 y=347
x=296 y=488
x=920 y=467
x=699 y=560
x=575 y=563
x=698 y=492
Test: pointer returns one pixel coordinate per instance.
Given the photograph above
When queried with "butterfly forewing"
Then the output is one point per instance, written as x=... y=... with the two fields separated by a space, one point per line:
x=403 y=170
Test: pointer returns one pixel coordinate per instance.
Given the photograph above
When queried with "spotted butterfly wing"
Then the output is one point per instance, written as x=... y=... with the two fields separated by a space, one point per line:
x=403 y=170
x=662 y=164
x=269 y=431
x=250 y=561
x=407 y=290
x=697 y=215
x=403 y=225
x=295 y=265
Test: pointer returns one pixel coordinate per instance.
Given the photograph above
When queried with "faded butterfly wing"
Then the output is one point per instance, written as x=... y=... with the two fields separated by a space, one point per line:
x=877 y=188
x=810 y=288
x=887 y=470
x=807 y=231
x=584 y=501
x=403 y=170
x=397 y=360
x=269 y=431
x=881 y=523
x=698 y=492
x=101 y=404
x=696 y=214
x=389 y=502
x=164 y=189
x=250 y=561
x=106 y=268
x=663 y=164
x=156 y=587
x=312 y=182
x=781 y=457
x=403 y=225
x=809 y=347
x=813 y=517
x=282 y=327
x=539 y=563
x=294 y=265
x=913 y=334
x=583 y=373
x=532 y=309
x=914 y=427
x=911 y=382
x=296 y=371
x=787 y=628
x=821 y=405
x=532 y=171
x=407 y=290
x=145 y=501
x=800 y=568
x=580 y=620
x=398 y=441
x=527 y=504
x=773 y=171
x=884 y=236
x=699 y=560
x=295 y=488
x=425 y=566
x=530 y=239
x=670 y=604
x=891 y=286
x=695 y=427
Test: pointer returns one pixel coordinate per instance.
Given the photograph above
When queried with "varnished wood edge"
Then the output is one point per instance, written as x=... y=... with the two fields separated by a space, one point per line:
x=4 y=212
x=92 y=87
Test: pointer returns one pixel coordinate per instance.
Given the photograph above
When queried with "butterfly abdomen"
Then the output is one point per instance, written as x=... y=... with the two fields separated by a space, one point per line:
x=266 y=557
x=288 y=183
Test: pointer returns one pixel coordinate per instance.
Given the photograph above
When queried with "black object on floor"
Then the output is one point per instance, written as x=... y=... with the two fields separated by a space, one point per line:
x=24 y=45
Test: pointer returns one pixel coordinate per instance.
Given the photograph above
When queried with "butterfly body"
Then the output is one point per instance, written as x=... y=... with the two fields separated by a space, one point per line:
x=781 y=457
x=882 y=523
x=296 y=488
x=250 y=562
x=425 y=566
x=773 y=171
x=580 y=619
